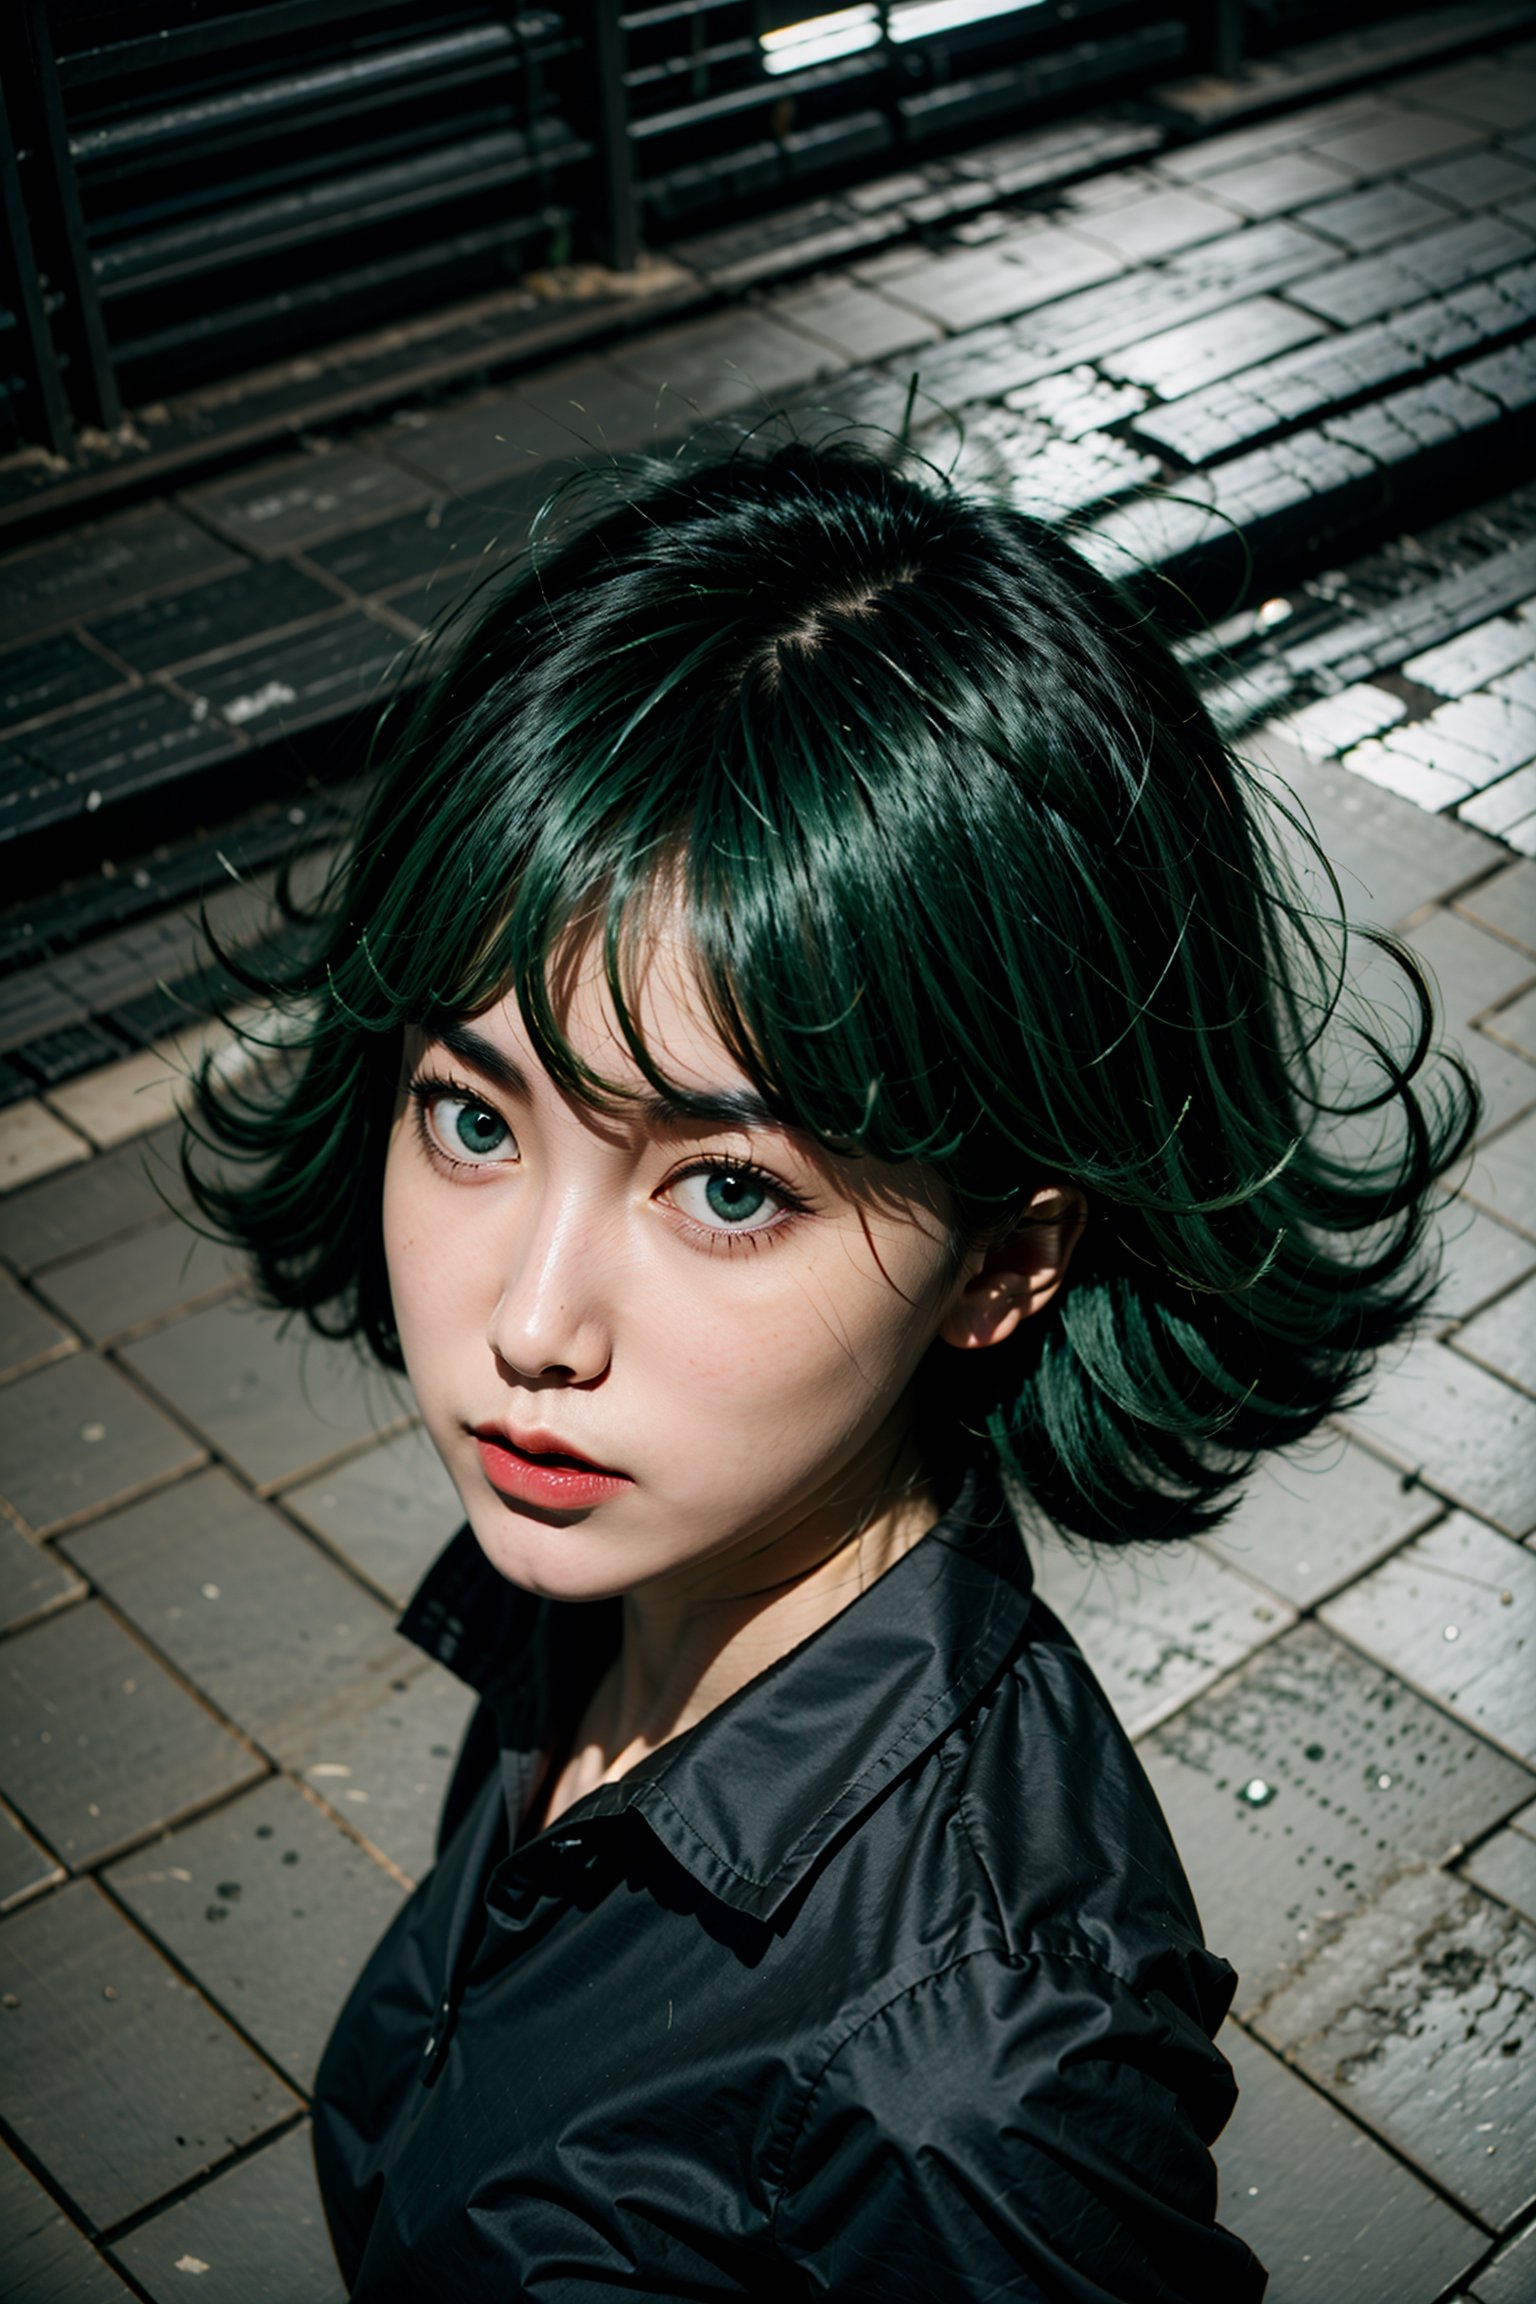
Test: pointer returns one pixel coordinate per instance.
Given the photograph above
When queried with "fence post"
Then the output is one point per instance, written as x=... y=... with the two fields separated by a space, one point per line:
x=31 y=312
x=1227 y=41
x=620 y=227
x=82 y=316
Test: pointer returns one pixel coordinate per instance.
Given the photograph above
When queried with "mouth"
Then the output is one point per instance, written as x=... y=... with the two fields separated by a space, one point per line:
x=534 y=1467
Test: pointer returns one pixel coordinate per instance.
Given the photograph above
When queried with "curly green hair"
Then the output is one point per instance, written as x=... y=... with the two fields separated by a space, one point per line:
x=970 y=879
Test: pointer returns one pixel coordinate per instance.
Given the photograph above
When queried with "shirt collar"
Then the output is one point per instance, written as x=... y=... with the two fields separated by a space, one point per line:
x=749 y=1799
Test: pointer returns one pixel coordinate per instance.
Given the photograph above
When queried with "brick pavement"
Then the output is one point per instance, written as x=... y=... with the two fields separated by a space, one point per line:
x=219 y=1765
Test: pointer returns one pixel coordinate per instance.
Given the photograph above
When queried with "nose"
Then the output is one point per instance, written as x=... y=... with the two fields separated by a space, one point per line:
x=549 y=1324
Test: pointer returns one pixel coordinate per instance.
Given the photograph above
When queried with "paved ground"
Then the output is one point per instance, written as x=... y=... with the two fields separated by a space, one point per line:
x=220 y=1764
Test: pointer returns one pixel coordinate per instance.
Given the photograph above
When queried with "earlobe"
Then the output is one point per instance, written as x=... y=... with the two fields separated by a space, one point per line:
x=1019 y=1275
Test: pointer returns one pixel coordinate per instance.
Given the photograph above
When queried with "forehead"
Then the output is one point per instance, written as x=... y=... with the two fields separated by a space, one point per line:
x=689 y=1079
x=654 y=1057
x=658 y=1027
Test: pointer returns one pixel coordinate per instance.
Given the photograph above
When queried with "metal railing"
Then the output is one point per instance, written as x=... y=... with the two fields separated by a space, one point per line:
x=189 y=192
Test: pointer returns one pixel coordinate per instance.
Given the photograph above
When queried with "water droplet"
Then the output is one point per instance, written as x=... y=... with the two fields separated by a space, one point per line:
x=1257 y=1793
x=1453 y=1632
x=1253 y=2191
x=1383 y=1782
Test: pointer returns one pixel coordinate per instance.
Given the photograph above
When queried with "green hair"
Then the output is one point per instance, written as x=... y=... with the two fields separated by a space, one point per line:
x=970 y=880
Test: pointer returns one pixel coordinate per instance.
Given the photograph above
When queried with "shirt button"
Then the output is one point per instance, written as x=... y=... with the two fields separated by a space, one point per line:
x=514 y=1902
x=437 y=2041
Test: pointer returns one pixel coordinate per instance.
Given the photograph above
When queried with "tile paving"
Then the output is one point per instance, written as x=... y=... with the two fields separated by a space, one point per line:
x=232 y=1372
x=207 y=1525
x=46 y=2254
x=76 y=1436
x=264 y=1623
x=1503 y=1338
x=272 y=1908
x=1414 y=2016
x=120 y=2079
x=25 y=1865
x=1509 y=2278
x=1506 y=1867
x=101 y=1744
x=1372 y=2230
x=263 y=2211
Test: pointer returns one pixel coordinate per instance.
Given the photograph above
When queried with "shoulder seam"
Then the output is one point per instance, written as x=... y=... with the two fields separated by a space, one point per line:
x=776 y=2184
x=963 y=1812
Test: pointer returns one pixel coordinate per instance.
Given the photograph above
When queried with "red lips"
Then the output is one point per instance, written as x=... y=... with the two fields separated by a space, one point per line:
x=535 y=1467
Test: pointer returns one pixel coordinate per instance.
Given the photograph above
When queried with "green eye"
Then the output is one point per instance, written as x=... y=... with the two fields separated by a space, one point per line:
x=478 y=1130
x=468 y=1130
x=728 y=1199
x=732 y=1198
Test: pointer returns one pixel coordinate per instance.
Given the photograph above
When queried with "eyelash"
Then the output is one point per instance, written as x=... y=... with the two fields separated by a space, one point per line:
x=424 y=1092
x=426 y=1089
x=724 y=1242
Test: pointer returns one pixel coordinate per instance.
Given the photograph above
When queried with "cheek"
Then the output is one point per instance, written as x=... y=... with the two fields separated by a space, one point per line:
x=426 y=1274
x=818 y=1352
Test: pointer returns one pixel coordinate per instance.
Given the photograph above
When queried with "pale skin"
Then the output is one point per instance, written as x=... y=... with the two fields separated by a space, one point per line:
x=716 y=1310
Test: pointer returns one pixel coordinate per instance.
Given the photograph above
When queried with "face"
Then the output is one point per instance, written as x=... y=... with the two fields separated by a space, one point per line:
x=653 y=1351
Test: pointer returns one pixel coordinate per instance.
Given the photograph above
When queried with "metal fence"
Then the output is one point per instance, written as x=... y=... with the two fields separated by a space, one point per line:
x=191 y=188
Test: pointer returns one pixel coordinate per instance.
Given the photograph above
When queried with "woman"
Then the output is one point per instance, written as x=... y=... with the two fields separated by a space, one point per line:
x=810 y=1055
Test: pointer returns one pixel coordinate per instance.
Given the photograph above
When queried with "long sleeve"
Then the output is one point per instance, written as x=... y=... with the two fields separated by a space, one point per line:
x=1031 y=2128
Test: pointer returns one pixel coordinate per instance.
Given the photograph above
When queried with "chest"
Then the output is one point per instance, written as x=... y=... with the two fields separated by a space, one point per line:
x=587 y=2052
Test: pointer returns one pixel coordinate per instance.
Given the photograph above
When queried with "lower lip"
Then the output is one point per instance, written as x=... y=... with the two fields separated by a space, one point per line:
x=537 y=1480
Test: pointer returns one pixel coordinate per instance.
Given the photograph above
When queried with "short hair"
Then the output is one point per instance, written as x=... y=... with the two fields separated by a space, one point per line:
x=971 y=880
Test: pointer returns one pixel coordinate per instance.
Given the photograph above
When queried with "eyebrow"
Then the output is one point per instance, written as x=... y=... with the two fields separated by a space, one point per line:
x=709 y=1107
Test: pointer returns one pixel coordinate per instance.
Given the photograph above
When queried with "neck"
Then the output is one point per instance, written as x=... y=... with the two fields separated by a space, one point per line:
x=689 y=1644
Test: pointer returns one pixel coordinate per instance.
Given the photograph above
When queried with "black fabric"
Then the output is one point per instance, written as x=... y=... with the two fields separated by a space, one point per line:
x=883 y=1982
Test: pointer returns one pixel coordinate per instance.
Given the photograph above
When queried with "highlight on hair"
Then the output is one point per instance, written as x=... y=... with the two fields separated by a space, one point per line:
x=970 y=879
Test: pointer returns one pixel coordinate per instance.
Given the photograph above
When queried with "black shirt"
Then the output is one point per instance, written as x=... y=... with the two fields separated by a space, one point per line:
x=883 y=1982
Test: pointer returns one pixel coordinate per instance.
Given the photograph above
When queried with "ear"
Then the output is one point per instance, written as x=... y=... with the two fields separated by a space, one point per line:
x=1018 y=1275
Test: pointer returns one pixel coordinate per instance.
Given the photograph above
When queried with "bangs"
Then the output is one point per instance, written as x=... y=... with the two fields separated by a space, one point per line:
x=795 y=817
x=761 y=895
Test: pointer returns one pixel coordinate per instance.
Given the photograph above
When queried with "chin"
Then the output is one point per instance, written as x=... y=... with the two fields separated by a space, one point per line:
x=550 y=1556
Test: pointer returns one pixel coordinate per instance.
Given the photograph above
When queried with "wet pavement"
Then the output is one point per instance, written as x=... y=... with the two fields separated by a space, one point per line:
x=220 y=1766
